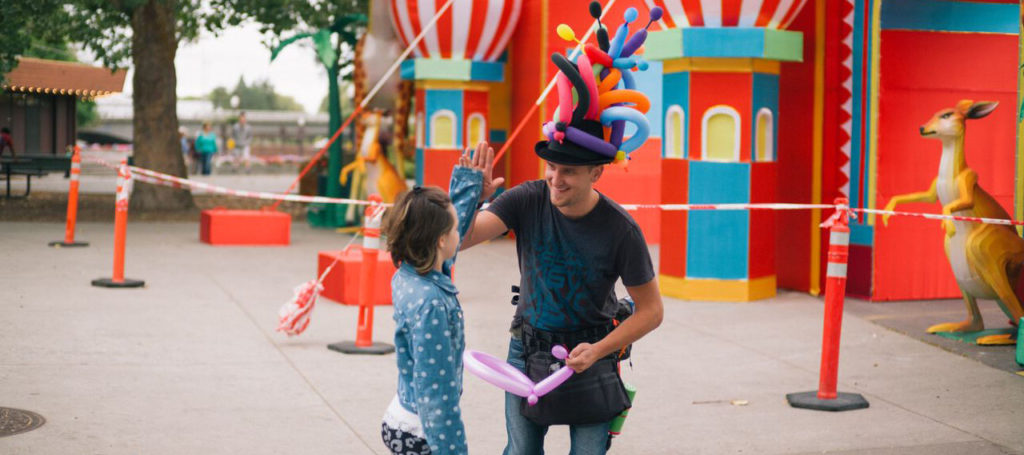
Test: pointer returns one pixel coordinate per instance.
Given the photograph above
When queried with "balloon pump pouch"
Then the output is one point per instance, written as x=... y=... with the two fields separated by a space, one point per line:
x=596 y=395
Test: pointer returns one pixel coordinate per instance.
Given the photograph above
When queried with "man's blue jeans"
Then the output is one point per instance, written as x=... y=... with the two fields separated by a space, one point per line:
x=527 y=438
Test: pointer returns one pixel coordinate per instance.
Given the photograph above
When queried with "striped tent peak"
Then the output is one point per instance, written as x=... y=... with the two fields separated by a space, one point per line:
x=775 y=14
x=471 y=29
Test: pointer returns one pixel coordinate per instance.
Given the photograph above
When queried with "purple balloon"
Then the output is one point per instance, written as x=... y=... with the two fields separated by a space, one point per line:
x=498 y=373
x=549 y=383
x=559 y=352
x=510 y=379
x=618 y=129
x=655 y=14
x=592 y=143
x=634 y=43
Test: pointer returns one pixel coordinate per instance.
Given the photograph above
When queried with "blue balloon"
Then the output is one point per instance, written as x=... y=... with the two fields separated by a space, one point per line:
x=628 y=81
x=643 y=127
x=624 y=63
x=631 y=14
x=620 y=37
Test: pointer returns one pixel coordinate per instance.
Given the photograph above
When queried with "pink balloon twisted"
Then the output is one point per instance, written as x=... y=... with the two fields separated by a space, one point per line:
x=510 y=379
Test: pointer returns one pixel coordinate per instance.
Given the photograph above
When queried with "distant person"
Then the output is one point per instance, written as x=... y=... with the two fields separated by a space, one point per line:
x=242 y=133
x=6 y=143
x=188 y=151
x=206 y=145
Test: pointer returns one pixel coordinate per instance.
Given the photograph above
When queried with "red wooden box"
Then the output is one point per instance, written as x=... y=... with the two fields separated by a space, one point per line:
x=244 y=227
x=342 y=284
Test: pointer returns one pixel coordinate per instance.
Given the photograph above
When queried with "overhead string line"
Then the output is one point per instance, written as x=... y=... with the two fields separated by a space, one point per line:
x=369 y=96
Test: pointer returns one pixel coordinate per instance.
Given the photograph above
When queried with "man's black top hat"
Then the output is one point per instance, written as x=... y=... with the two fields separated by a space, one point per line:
x=572 y=154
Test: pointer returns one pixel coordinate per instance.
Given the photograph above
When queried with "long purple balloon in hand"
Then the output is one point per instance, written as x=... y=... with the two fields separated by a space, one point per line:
x=510 y=379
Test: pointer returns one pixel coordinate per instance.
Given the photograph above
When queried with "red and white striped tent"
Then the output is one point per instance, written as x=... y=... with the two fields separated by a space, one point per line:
x=473 y=29
x=777 y=14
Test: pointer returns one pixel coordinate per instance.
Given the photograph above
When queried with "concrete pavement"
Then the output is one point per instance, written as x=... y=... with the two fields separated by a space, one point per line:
x=191 y=362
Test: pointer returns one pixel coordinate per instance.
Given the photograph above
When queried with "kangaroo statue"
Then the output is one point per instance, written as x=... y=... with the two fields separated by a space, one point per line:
x=986 y=258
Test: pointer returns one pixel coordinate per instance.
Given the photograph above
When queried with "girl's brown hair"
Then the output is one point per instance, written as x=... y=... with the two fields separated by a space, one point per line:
x=414 y=225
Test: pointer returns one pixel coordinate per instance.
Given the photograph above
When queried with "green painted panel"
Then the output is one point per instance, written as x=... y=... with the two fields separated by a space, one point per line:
x=664 y=45
x=784 y=45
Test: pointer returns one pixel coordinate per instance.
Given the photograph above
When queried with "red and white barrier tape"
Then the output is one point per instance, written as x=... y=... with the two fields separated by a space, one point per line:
x=936 y=216
x=158 y=178
x=752 y=206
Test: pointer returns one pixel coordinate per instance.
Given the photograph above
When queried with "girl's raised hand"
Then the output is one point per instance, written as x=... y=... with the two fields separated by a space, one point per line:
x=482 y=160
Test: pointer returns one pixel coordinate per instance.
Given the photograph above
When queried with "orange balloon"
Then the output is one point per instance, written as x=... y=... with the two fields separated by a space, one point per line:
x=636 y=97
x=610 y=81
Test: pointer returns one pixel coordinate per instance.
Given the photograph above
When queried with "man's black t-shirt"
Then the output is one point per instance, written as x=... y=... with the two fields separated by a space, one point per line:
x=568 y=266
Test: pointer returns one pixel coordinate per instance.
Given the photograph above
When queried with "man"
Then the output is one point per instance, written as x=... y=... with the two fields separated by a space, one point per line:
x=242 y=134
x=573 y=243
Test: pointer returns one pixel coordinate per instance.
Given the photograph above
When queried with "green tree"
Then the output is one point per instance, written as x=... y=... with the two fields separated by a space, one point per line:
x=334 y=29
x=346 y=100
x=258 y=96
x=143 y=34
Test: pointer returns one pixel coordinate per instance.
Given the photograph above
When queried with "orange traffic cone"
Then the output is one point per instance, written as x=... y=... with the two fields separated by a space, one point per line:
x=371 y=246
x=69 y=228
x=124 y=184
x=826 y=398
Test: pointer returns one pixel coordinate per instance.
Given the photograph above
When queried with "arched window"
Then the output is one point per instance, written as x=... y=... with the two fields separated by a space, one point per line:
x=720 y=135
x=765 y=145
x=420 y=129
x=675 y=132
x=476 y=130
x=442 y=130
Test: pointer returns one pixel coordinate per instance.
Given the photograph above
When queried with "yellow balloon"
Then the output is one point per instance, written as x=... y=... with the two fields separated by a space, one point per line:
x=565 y=32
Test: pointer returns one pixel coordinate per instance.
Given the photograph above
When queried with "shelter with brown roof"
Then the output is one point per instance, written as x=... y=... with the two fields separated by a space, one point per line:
x=37 y=101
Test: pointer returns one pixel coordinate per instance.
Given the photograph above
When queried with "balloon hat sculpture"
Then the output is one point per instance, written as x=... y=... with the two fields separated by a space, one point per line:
x=590 y=131
x=509 y=379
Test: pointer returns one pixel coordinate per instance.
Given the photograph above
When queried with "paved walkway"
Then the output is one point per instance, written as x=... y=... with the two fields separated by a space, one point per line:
x=191 y=362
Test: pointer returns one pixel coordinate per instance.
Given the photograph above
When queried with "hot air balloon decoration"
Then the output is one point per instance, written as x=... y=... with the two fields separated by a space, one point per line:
x=459 y=72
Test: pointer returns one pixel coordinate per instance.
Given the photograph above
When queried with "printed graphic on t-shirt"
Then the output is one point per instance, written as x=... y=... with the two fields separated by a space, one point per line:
x=559 y=275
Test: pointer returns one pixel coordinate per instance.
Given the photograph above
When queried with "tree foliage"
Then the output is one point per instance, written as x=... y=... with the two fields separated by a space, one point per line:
x=145 y=34
x=347 y=103
x=258 y=96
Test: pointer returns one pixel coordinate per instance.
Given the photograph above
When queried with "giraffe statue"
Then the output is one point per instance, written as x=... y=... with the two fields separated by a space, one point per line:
x=375 y=52
x=403 y=106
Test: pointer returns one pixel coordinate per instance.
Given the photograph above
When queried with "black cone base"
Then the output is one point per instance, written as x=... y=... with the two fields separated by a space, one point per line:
x=110 y=283
x=62 y=244
x=842 y=402
x=349 y=347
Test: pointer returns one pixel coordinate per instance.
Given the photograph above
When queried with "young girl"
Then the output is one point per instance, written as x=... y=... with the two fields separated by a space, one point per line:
x=424 y=230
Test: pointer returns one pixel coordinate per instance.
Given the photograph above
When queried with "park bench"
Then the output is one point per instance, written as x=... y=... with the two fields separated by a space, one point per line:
x=32 y=166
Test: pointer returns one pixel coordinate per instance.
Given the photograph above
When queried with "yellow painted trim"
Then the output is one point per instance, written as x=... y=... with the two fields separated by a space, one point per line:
x=721 y=65
x=455 y=85
x=817 y=144
x=767 y=66
x=876 y=47
x=676 y=65
x=1018 y=191
x=709 y=290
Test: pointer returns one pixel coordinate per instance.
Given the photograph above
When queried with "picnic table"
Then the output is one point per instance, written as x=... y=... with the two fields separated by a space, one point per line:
x=32 y=166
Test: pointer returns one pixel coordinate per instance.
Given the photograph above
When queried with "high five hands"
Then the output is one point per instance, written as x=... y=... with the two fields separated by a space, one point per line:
x=482 y=160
